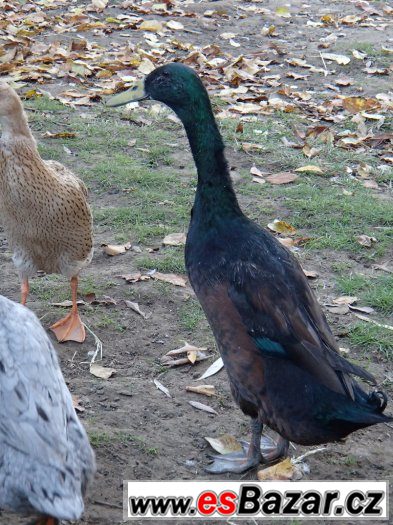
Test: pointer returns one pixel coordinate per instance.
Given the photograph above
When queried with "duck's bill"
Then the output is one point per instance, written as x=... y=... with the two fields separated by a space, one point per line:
x=135 y=93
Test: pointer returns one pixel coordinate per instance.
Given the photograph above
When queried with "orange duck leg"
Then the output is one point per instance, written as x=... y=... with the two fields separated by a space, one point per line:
x=70 y=328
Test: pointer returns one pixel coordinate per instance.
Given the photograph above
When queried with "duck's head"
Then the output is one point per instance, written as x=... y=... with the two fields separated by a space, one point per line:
x=174 y=84
x=9 y=100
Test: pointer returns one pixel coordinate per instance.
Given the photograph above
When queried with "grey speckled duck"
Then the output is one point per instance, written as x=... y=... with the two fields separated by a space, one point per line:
x=44 y=211
x=46 y=460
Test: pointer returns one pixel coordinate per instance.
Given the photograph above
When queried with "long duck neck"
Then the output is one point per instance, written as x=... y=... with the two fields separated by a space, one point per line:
x=14 y=125
x=215 y=195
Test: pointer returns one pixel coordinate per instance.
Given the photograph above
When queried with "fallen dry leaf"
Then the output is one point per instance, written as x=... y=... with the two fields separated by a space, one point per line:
x=285 y=470
x=286 y=241
x=285 y=177
x=174 y=239
x=135 y=277
x=225 y=444
x=201 y=406
x=362 y=309
x=309 y=169
x=255 y=171
x=310 y=274
x=102 y=372
x=213 y=369
x=60 y=135
x=281 y=227
x=206 y=390
x=67 y=303
x=345 y=299
x=340 y=59
x=365 y=240
x=115 y=249
x=76 y=404
x=161 y=387
x=359 y=104
x=135 y=308
x=192 y=355
x=339 y=309
x=171 y=278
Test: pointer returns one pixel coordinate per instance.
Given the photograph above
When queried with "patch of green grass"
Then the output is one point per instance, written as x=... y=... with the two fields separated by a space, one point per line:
x=171 y=260
x=333 y=219
x=109 y=319
x=102 y=438
x=376 y=292
x=372 y=337
x=46 y=104
x=190 y=315
x=50 y=288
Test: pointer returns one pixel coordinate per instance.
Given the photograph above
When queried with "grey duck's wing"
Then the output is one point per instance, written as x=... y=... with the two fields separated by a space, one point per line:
x=45 y=457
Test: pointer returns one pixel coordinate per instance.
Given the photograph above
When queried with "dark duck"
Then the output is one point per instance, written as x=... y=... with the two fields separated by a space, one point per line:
x=282 y=360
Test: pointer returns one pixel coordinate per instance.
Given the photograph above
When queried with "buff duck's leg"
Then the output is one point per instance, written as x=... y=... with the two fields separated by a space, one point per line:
x=45 y=520
x=238 y=462
x=24 y=289
x=70 y=328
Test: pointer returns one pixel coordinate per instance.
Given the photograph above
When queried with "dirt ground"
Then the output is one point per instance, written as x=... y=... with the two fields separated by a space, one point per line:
x=138 y=432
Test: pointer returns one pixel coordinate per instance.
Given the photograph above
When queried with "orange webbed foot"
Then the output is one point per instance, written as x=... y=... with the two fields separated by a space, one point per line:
x=70 y=328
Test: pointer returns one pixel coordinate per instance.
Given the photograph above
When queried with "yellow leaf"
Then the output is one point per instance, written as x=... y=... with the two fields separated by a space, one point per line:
x=359 y=104
x=309 y=169
x=285 y=470
x=281 y=227
x=283 y=12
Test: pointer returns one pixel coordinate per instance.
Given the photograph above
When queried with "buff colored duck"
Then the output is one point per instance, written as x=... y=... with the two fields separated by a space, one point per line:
x=281 y=357
x=46 y=461
x=44 y=211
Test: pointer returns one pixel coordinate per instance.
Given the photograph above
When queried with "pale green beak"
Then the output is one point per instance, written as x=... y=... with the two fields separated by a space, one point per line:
x=133 y=94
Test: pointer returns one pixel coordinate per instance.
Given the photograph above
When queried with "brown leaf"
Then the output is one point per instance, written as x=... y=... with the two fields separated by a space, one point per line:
x=365 y=240
x=135 y=277
x=257 y=172
x=286 y=241
x=363 y=309
x=67 y=303
x=102 y=372
x=225 y=444
x=175 y=239
x=115 y=249
x=285 y=177
x=171 y=278
x=60 y=135
x=206 y=390
x=310 y=274
x=135 y=308
x=201 y=406
x=345 y=299
x=76 y=405
x=338 y=310
x=359 y=104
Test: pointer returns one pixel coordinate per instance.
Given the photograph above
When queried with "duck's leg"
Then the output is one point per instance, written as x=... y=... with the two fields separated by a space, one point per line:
x=45 y=520
x=24 y=290
x=240 y=461
x=70 y=328
x=261 y=449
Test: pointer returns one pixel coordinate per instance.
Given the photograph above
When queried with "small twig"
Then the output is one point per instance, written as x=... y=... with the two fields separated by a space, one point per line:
x=324 y=65
x=299 y=459
x=363 y=318
x=98 y=344
x=106 y=504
